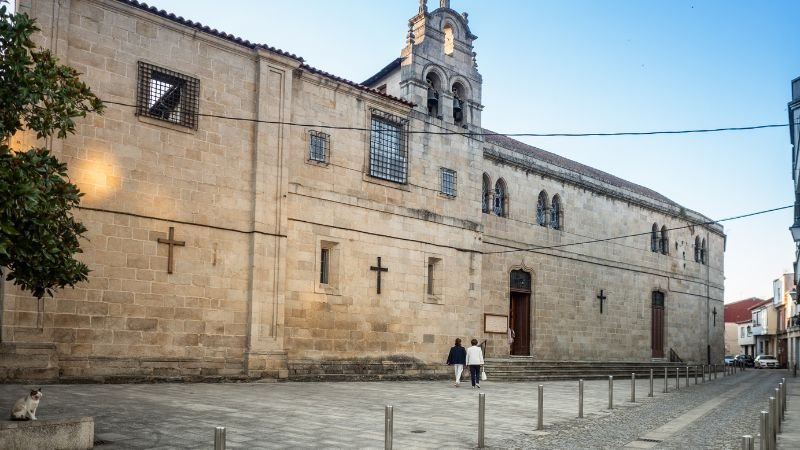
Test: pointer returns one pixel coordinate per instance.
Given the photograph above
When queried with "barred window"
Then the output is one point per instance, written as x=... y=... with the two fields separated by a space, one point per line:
x=167 y=95
x=318 y=147
x=324 y=265
x=388 y=147
x=448 y=182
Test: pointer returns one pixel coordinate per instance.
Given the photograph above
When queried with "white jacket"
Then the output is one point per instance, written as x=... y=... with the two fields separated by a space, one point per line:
x=474 y=356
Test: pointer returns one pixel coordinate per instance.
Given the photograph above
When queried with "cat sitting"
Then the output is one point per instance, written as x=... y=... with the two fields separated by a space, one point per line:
x=25 y=408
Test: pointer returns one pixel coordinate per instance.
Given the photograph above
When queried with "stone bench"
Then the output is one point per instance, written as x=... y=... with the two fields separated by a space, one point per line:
x=64 y=434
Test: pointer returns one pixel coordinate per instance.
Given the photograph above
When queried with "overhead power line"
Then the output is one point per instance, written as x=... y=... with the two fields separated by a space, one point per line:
x=468 y=133
x=592 y=241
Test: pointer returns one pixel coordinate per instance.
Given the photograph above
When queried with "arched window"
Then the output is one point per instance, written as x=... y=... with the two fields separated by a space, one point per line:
x=541 y=209
x=654 y=240
x=703 y=252
x=486 y=195
x=449 y=40
x=555 y=213
x=663 y=244
x=500 y=198
x=697 y=249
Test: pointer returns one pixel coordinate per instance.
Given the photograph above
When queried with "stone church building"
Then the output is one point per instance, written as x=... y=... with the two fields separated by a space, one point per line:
x=253 y=216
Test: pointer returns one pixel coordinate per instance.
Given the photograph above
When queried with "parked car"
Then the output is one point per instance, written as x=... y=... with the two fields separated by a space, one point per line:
x=746 y=360
x=729 y=360
x=767 y=361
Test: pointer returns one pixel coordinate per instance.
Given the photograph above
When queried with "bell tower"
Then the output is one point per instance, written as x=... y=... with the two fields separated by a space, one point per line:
x=437 y=69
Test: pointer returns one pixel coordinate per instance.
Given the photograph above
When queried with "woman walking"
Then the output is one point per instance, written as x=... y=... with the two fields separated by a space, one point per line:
x=475 y=361
x=457 y=358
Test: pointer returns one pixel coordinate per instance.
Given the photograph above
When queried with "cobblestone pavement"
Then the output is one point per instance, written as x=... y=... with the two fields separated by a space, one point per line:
x=427 y=414
x=735 y=412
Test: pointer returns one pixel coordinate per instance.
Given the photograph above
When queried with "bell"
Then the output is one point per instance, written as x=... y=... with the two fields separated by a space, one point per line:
x=433 y=99
x=457 y=113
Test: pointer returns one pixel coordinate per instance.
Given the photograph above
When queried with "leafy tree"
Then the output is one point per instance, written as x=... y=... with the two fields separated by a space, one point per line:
x=38 y=234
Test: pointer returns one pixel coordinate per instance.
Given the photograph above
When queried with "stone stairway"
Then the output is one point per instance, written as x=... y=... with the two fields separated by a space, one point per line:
x=528 y=369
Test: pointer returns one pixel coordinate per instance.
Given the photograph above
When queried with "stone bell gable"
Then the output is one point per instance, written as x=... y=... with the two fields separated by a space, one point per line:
x=437 y=69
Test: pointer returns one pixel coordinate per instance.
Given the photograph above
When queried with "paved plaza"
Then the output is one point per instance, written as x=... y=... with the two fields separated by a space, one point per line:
x=427 y=414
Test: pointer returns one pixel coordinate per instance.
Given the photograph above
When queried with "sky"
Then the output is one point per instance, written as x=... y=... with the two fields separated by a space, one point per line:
x=600 y=66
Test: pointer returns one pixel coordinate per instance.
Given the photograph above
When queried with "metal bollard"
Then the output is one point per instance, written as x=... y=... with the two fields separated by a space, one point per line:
x=794 y=372
x=677 y=378
x=785 y=389
x=747 y=442
x=778 y=410
x=219 y=438
x=610 y=392
x=481 y=417
x=687 y=376
x=540 y=416
x=773 y=423
x=580 y=399
x=666 y=381
x=715 y=371
x=633 y=388
x=764 y=431
x=780 y=402
x=388 y=428
x=696 y=369
x=651 y=384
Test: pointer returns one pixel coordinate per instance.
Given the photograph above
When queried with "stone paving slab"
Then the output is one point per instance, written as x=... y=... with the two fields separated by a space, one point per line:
x=427 y=414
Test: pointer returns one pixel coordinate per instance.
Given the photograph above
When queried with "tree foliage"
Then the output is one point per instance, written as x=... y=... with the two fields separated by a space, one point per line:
x=38 y=234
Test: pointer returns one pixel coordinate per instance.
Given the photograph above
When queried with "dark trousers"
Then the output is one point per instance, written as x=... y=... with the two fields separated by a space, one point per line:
x=475 y=374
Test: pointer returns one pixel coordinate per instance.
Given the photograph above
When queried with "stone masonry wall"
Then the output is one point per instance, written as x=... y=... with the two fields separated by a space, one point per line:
x=142 y=176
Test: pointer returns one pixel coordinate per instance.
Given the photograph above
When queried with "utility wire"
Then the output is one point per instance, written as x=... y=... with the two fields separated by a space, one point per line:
x=592 y=241
x=469 y=133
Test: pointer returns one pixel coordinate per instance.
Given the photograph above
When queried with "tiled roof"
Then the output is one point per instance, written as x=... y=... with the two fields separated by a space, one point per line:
x=739 y=311
x=353 y=83
x=206 y=29
x=559 y=161
x=388 y=68
x=760 y=304
x=221 y=34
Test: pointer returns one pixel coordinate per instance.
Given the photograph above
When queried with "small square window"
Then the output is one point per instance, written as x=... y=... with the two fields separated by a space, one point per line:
x=448 y=182
x=318 y=146
x=168 y=96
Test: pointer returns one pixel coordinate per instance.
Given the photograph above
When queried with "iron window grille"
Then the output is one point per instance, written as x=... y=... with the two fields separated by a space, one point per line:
x=448 y=182
x=319 y=146
x=324 y=265
x=167 y=95
x=388 y=147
